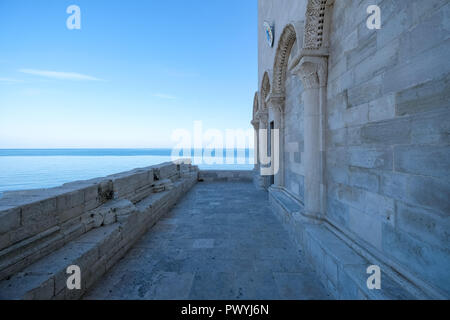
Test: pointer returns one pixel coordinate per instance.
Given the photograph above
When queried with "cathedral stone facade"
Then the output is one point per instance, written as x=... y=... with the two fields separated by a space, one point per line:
x=352 y=125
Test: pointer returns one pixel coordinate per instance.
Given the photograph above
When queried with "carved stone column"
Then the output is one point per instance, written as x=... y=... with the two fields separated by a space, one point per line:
x=255 y=124
x=262 y=116
x=276 y=105
x=313 y=73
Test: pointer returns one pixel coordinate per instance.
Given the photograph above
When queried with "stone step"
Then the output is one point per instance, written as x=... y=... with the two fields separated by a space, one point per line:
x=46 y=279
x=344 y=270
x=340 y=265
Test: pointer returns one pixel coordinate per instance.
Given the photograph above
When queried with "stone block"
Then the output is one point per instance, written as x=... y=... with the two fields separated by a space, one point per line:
x=364 y=179
x=165 y=170
x=428 y=96
x=431 y=193
x=423 y=224
x=366 y=48
x=411 y=72
x=394 y=185
x=331 y=269
x=371 y=158
x=9 y=219
x=44 y=292
x=430 y=31
x=70 y=213
x=429 y=261
x=356 y=115
x=373 y=204
x=70 y=200
x=382 y=59
x=336 y=138
x=366 y=226
x=95 y=272
x=38 y=217
x=337 y=212
x=382 y=108
x=395 y=26
x=5 y=241
x=347 y=287
x=365 y=92
x=428 y=160
x=431 y=127
x=390 y=132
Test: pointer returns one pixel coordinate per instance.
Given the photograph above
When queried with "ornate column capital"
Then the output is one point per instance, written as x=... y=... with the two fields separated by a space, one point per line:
x=313 y=71
x=276 y=103
x=262 y=116
x=255 y=124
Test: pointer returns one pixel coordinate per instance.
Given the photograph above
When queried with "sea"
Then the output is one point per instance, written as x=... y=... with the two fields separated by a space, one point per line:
x=24 y=169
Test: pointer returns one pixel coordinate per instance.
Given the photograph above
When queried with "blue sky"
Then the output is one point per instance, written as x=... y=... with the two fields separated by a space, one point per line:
x=135 y=72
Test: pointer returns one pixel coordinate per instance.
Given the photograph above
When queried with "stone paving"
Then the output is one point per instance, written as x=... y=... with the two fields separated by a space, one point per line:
x=220 y=242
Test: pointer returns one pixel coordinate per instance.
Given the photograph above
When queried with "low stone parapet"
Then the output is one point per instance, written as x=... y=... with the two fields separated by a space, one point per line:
x=36 y=223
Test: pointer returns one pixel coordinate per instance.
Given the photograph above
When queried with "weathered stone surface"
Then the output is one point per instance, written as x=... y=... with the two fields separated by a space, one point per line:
x=423 y=224
x=431 y=128
x=391 y=132
x=225 y=175
x=384 y=131
x=430 y=261
x=175 y=258
x=92 y=240
x=9 y=219
x=379 y=158
x=428 y=160
x=430 y=192
x=429 y=96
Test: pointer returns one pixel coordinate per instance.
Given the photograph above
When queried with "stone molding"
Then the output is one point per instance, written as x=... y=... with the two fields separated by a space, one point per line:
x=287 y=40
x=265 y=90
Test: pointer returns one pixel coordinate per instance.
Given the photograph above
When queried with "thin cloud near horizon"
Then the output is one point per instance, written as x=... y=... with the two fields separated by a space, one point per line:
x=59 y=75
x=10 y=80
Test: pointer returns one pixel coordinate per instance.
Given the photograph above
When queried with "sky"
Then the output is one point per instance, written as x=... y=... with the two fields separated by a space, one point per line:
x=135 y=72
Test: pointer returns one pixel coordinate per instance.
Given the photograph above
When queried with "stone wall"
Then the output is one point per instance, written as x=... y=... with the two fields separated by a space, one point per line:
x=388 y=151
x=279 y=12
x=86 y=223
x=385 y=158
x=294 y=137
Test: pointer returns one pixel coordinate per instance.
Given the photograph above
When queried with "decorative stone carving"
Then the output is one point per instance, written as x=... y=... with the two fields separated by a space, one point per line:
x=313 y=71
x=255 y=104
x=265 y=90
x=276 y=103
x=287 y=40
x=314 y=24
x=262 y=116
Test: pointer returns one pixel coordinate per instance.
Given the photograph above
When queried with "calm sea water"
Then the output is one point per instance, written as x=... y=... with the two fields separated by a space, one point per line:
x=45 y=168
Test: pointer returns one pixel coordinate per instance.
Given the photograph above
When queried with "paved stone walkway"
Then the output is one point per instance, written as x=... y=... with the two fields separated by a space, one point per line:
x=220 y=242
